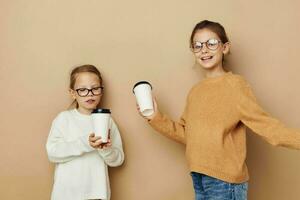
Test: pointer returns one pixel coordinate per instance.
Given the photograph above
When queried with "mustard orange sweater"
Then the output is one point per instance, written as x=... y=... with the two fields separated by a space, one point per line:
x=213 y=127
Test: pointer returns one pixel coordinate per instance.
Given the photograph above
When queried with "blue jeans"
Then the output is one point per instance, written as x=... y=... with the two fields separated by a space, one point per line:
x=209 y=188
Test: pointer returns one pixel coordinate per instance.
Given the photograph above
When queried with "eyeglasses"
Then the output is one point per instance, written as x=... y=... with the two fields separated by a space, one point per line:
x=211 y=44
x=83 y=92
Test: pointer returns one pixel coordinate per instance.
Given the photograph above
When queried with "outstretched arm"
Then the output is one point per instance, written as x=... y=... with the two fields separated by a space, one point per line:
x=270 y=128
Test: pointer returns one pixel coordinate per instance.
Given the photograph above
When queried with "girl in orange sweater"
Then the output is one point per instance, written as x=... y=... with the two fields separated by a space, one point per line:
x=213 y=125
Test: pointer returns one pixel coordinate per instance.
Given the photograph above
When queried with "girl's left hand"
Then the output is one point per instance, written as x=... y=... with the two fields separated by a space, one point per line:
x=96 y=142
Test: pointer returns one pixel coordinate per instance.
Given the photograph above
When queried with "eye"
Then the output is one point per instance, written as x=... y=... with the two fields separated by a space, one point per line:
x=197 y=45
x=96 y=88
x=212 y=42
x=82 y=89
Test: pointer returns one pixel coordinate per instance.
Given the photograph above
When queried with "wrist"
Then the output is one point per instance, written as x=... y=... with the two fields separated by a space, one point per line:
x=151 y=117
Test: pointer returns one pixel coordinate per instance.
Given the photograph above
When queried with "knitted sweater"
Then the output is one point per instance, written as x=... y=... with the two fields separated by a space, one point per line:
x=213 y=127
x=81 y=171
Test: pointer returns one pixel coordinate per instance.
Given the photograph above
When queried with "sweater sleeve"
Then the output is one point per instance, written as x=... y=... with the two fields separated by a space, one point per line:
x=259 y=121
x=59 y=150
x=114 y=155
x=174 y=130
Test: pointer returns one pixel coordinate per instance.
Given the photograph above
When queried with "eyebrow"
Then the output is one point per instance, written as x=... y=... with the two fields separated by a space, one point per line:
x=206 y=40
x=93 y=86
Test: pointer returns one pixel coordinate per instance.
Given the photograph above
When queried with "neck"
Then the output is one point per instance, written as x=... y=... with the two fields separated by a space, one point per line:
x=84 y=111
x=214 y=72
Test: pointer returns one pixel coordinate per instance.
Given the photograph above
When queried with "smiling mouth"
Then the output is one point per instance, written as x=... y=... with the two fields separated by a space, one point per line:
x=206 y=58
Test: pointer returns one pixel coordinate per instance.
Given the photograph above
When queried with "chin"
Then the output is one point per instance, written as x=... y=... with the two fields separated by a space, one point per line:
x=91 y=107
x=207 y=67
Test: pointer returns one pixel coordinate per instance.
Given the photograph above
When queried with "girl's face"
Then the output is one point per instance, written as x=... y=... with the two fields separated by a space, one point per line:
x=87 y=91
x=208 y=49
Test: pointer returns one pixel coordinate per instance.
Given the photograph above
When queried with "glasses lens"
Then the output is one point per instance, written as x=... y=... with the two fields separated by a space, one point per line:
x=212 y=44
x=82 y=92
x=97 y=90
x=197 y=46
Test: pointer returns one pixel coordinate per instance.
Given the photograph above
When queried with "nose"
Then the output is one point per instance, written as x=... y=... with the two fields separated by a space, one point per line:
x=90 y=93
x=204 y=49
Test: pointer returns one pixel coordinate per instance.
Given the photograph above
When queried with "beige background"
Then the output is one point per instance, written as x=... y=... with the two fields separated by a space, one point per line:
x=41 y=40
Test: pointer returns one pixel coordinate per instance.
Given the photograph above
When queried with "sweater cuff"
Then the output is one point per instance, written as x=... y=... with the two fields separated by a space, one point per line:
x=156 y=118
x=106 y=151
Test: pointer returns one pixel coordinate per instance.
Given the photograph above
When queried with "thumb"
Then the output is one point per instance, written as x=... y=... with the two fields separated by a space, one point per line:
x=92 y=135
x=154 y=104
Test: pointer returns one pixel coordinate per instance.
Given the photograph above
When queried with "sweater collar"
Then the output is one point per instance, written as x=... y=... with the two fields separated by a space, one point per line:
x=80 y=115
x=217 y=78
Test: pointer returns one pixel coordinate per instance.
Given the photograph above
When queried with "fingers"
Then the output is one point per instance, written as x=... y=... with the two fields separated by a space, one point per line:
x=94 y=141
x=140 y=113
x=155 y=110
x=154 y=104
x=106 y=145
x=138 y=108
x=108 y=134
x=97 y=143
x=93 y=138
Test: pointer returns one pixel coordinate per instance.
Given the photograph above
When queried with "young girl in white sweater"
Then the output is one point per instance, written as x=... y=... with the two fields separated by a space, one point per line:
x=81 y=158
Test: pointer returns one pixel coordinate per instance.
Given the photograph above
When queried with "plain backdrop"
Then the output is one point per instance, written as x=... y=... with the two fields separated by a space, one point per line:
x=42 y=40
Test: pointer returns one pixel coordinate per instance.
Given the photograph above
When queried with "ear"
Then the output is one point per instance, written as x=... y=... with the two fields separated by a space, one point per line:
x=226 y=48
x=72 y=93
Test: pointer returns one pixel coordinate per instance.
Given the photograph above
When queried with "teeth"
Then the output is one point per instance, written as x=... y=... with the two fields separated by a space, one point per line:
x=206 y=58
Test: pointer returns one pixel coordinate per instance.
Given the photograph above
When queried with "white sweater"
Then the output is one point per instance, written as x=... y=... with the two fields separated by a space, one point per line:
x=81 y=171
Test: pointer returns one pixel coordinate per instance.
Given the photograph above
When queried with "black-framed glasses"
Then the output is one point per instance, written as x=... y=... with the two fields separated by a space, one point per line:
x=83 y=92
x=211 y=44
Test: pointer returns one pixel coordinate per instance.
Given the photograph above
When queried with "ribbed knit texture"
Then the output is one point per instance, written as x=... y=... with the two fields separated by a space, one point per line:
x=213 y=127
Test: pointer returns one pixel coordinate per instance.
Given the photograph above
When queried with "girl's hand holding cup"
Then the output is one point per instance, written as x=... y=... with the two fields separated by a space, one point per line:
x=101 y=122
x=97 y=143
x=146 y=104
x=155 y=111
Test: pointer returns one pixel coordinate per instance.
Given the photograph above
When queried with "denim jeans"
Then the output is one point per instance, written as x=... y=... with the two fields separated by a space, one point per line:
x=209 y=188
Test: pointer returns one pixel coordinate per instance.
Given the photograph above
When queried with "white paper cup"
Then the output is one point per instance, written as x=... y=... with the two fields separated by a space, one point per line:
x=143 y=94
x=101 y=122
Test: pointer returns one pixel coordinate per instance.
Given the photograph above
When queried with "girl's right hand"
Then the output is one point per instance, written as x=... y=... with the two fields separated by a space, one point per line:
x=96 y=142
x=155 y=110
